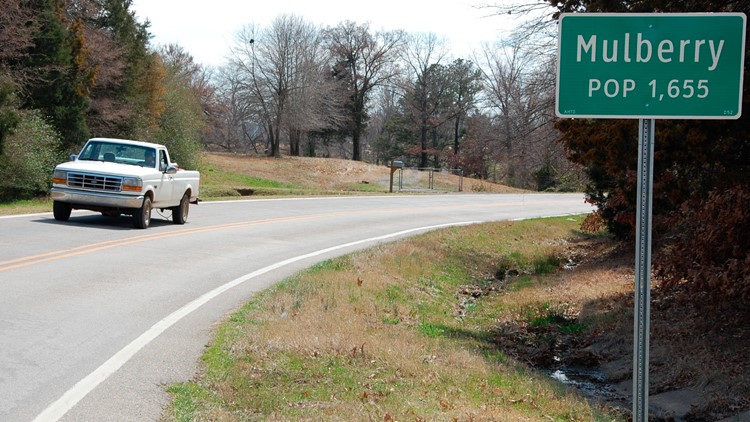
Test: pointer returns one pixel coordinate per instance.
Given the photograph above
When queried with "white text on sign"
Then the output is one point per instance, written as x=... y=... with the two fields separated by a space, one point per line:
x=675 y=88
x=666 y=50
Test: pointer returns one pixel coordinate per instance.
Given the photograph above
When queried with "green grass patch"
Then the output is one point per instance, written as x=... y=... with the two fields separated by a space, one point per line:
x=546 y=265
x=189 y=400
x=431 y=329
x=30 y=206
x=219 y=183
x=547 y=316
x=522 y=282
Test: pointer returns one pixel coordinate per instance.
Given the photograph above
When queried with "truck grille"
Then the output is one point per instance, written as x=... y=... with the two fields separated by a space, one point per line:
x=95 y=181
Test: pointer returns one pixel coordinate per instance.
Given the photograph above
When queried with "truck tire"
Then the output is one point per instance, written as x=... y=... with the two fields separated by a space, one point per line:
x=61 y=210
x=142 y=216
x=180 y=212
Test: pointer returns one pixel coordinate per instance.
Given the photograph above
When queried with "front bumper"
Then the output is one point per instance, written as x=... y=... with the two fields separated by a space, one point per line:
x=88 y=199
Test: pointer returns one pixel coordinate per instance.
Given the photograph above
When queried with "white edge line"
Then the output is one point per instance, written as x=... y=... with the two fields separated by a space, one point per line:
x=67 y=401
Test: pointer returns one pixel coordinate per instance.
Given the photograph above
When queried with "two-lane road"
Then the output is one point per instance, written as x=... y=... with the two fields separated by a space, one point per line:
x=96 y=317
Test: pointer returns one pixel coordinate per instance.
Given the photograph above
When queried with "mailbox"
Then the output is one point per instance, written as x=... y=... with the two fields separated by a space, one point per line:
x=397 y=166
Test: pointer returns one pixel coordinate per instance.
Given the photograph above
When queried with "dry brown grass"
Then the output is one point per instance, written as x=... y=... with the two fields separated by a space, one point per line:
x=336 y=175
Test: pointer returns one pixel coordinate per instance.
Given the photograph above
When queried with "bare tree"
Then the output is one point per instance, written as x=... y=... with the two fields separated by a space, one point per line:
x=519 y=77
x=315 y=104
x=362 y=61
x=503 y=76
x=265 y=84
x=519 y=88
x=235 y=123
x=282 y=77
x=16 y=29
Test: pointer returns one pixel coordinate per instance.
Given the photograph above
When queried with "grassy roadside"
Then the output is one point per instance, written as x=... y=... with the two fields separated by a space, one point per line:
x=403 y=331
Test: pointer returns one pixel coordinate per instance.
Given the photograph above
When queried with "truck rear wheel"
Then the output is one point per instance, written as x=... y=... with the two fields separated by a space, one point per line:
x=142 y=216
x=180 y=212
x=61 y=210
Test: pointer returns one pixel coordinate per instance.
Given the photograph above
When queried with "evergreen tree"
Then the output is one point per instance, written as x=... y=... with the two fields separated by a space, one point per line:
x=8 y=113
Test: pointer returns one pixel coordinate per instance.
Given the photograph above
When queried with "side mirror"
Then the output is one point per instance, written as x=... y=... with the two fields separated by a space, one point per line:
x=73 y=157
x=171 y=169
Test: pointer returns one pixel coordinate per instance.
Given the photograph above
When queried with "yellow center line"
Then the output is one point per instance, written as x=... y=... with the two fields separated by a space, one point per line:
x=110 y=244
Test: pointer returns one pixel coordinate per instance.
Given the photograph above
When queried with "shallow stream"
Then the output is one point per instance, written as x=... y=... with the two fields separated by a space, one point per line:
x=591 y=383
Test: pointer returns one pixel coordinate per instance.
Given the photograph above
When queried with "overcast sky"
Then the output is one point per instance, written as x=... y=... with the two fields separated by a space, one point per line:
x=206 y=28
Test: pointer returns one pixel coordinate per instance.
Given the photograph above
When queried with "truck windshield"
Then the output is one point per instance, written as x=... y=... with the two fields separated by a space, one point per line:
x=135 y=155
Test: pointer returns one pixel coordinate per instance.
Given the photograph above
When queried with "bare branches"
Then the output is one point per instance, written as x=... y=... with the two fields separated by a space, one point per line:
x=361 y=61
x=536 y=18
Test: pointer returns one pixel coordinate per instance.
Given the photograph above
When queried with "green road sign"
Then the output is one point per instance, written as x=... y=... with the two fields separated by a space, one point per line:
x=659 y=65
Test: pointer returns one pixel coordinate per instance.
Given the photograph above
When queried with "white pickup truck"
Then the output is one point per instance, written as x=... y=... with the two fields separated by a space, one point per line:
x=117 y=176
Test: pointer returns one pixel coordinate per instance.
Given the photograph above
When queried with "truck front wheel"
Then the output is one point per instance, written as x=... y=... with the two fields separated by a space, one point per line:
x=180 y=212
x=61 y=210
x=142 y=216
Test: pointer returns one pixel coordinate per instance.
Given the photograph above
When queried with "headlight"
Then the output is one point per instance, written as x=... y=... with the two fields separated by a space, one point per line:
x=132 y=184
x=60 y=177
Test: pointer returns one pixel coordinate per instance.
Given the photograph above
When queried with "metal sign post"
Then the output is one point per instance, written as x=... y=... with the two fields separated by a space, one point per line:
x=646 y=129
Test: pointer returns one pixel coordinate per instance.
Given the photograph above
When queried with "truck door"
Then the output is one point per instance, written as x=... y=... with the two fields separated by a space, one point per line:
x=166 y=188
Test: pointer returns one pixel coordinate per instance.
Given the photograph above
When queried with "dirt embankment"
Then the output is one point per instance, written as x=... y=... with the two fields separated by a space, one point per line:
x=699 y=354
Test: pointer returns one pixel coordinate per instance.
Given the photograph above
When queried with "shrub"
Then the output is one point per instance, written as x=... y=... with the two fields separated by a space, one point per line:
x=709 y=255
x=30 y=153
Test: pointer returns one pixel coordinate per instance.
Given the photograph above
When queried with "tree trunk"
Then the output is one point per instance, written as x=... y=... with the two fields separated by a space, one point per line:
x=423 y=141
x=356 y=148
x=294 y=139
x=358 y=129
x=273 y=137
x=310 y=147
x=435 y=154
x=455 y=134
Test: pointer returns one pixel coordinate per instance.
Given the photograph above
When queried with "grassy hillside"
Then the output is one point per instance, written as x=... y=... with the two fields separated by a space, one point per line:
x=227 y=175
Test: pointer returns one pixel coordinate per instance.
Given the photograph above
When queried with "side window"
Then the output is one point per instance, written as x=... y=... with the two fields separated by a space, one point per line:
x=90 y=152
x=163 y=162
